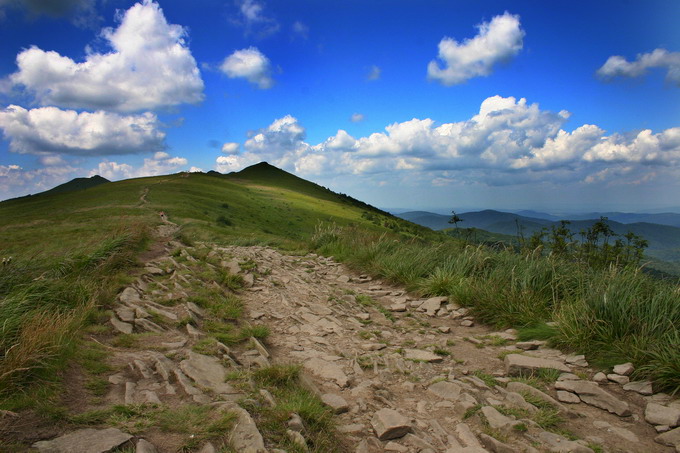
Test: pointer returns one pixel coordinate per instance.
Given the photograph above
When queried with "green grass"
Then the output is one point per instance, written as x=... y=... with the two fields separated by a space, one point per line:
x=291 y=397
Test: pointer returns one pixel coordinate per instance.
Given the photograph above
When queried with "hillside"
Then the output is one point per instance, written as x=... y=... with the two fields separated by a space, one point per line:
x=260 y=203
x=77 y=184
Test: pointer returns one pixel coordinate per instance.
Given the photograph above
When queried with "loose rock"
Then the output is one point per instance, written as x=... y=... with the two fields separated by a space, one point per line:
x=390 y=424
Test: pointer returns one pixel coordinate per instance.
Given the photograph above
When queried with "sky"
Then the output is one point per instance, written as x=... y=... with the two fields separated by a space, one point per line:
x=430 y=104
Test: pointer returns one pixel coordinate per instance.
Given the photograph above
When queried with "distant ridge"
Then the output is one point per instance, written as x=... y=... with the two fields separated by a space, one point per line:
x=77 y=184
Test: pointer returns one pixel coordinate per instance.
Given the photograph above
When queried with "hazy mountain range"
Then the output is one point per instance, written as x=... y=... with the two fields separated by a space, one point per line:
x=662 y=230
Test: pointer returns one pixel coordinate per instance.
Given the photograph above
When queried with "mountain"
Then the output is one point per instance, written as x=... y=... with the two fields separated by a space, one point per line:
x=428 y=219
x=77 y=184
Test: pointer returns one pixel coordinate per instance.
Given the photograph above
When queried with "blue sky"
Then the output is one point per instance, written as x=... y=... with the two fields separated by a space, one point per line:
x=431 y=104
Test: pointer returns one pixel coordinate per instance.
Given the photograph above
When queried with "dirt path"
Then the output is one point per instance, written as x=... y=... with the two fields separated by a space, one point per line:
x=403 y=374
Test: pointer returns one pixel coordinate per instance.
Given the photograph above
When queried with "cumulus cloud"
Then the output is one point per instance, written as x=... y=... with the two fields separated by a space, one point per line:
x=618 y=66
x=253 y=18
x=250 y=64
x=509 y=141
x=49 y=130
x=498 y=40
x=374 y=73
x=160 y=164
x=357 y=117
x=15 y=181
x=231 y=148
x=149 y=67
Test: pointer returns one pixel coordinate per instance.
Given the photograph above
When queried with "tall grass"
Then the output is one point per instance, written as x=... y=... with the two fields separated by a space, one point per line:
x=44 y=302
x=612 y=314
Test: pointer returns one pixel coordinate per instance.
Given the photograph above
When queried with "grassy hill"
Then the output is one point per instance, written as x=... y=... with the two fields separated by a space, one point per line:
x=260 y=203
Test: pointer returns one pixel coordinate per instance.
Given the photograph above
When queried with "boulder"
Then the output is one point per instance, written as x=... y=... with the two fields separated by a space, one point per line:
x=591 y=393
x=207 y=372
x=447 y=390
x=517 y=364
x=656 y=414
x=625 y=369
x=327 y=370
x=390 y=424
x=87 y=440
x=335 y=402
x=245 y=437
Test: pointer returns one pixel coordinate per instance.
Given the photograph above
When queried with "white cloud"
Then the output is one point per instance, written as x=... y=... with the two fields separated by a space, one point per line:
x=498 y=40
x=357 y=117
x=508 y=142
x=49 y=130
x=250 y=64
x=618 y=66
x=374 y=73
x=300 y=29
x=231 y=148
x=149 y=67
x=255 y=21
x=160 y=164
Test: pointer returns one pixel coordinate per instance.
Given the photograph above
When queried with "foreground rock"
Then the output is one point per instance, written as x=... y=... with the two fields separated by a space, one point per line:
x=671 y=439
x=517 y=364
x=85 y=441
x=591 y=393
x=390 y=424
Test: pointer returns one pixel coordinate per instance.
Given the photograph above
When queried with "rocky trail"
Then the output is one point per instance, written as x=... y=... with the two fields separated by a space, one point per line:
x=401 y=373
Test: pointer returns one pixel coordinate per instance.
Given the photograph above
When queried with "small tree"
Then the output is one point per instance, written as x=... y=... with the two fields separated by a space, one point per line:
x=455 y=220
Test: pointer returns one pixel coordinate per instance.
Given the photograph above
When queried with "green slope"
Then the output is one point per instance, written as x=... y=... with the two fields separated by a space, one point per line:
x=261 y=203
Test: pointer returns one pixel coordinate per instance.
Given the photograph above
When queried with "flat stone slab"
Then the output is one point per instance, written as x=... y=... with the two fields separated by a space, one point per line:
x=245 y=437
x=641 y=387
x=335 y=402
x=497 y=420
x=670 y=438
x=657 y=414
x=390 y=424
x=520 y=388
x=517 y=364
x=207 y=372
x=591 y=393
x=557 y=443
x=422 y=356
x=120 y=326
x=327 y=370
x=85 y=441
x=446 y=390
